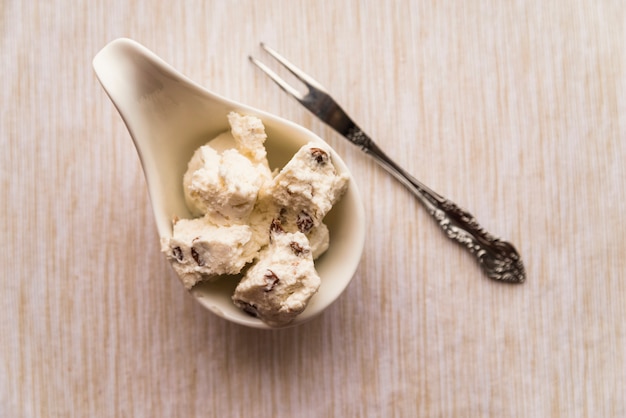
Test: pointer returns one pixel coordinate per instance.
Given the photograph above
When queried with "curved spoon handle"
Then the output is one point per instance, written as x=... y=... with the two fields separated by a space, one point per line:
x=499 y=259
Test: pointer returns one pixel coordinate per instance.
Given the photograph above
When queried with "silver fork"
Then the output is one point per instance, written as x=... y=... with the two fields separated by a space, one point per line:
x=499 y=259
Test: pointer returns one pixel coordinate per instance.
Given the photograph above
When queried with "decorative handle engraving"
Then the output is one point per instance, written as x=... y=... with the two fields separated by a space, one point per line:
x=355 y=135
x=499 y=259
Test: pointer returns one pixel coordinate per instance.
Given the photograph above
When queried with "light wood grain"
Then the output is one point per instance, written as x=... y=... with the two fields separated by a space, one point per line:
x=515 y=109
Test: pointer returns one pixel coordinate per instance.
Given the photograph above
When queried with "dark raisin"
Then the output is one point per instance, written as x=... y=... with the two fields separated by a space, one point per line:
x=248 y=308
x=276 y=226
x=178 y=253
x=304 y=222
x=197 y=257
x=319 y=155
x=271 y=280
x=296 y=248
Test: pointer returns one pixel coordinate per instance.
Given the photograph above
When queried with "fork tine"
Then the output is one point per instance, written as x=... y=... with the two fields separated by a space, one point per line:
x=311 y=83
x=317 y=100
x=277 y=79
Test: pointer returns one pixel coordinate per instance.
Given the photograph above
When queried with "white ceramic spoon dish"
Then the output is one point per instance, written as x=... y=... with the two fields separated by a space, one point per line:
x=168 y=117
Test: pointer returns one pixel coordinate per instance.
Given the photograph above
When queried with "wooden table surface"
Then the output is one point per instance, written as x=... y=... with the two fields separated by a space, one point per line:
x=514 y=109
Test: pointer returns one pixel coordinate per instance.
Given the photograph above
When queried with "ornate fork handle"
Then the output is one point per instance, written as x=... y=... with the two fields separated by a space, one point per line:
x=499 y=259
